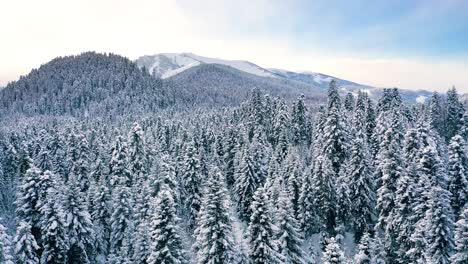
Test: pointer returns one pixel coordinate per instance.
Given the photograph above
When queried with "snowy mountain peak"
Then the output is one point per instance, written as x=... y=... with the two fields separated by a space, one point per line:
x=165 y=65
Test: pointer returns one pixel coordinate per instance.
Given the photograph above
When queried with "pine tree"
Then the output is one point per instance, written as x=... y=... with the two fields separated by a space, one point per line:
x=349 y=102
x=118 y=166
x=54 y=238
x=166 y=176
x=137 y=157
x=191 y=181
x=248 y=179
x=334 y=138
x=263 y=248
x=364 y=254
x=300 y=123
x=435 y=113
x=455 y=111
x=121 y=219
x=79 y=225
x=333 y=253
x=325 y=194
x=461 y=239
x=457 y=169
x=27 y=204
x=361 y=187
x=166 y=244
x=100 y=215
x=25 y=245
x=230 y=149
x=142 y=243
x=307 y=209
x=289 y=237
x=214 y=238
x=5 y=246
x=440 y=227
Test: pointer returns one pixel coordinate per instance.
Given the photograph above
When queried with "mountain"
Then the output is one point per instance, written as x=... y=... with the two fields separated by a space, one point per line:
x=167 y=65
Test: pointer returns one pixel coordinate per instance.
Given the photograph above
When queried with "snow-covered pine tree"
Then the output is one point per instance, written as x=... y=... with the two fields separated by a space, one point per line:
x=307 y=209
x=25 y=245
x=333 y=254
x=461 y=239
x=334 y=135
x=349 y=102
x=165 y=176
x=289 y=236
x=6 y=248
x=137 y=156
x=455 y=111
x=54 y=237
x=214 y=239
x=439 y=227
x=300 y=124
x=435 y=114
x=191 y=182
x=118 y=166
x=100 y=215
x=247 y=179
x=27 y=203
x=361 y=187
x=364 y=254
x=78 y=221
x=457 y=169
x=82 y=164
x=142 y=243
x=121 y=220
x=263 y=246
x=166 y=243
x=325 y=194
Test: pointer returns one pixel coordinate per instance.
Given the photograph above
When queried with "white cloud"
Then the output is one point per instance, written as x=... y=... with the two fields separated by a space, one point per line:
x=34 y=32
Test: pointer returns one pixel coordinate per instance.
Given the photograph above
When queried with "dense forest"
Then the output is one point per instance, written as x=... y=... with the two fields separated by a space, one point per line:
x=109 y=165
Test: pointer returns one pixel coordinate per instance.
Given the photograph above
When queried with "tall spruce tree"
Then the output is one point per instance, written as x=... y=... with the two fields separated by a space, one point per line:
x=461 y=239
x=166 y=243
x=214 y=239
x=457 y=169
x=6 y=248
x=263 y=246
x=25 y=245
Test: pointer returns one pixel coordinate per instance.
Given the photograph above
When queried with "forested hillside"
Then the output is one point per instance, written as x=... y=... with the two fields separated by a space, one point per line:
x=265 y=179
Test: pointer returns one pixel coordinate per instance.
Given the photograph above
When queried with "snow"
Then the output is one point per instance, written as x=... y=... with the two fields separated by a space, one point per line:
x=421 y=99
x=183 y=61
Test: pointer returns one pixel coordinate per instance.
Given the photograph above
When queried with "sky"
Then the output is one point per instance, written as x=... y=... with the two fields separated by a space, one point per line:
x=417 y=44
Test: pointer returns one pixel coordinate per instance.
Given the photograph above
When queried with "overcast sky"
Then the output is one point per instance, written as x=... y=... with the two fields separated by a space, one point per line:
x=408 y=44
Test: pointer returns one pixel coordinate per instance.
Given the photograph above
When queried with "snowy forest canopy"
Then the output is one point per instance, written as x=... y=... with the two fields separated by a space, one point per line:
x=107 y=175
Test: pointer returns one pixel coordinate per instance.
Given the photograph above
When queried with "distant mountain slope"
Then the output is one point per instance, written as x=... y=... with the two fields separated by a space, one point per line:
x=223 y=85
x=166 y=65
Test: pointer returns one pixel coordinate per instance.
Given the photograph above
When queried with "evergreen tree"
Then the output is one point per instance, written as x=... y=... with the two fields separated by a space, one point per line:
x=142 y=243
x=364 y=254
x=307 y=209
x=289 y=237
x=121 y=219
x=461 y=239
x=457 y=169
x=435 y=113
x=27 y=204
x=166 y=244
x=455 y=111
x=118 y=166
x=214 y=238
x=5 y=246
x=54 y=238
x=248 y=179
x=361 y=187
x=191 y=181
x=440 y=227
x=263 y=248
x=300 y=123
x=79 y=225
x=325 y=194
x=137 y=157
x=334 y=136
x=100 y=215
x=333 y=253
x=25 y=245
